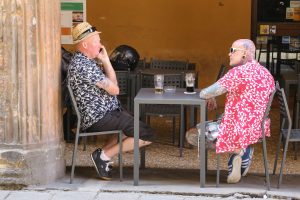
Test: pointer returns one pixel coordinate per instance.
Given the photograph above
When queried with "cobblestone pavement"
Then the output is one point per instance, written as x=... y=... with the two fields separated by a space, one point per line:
x=168 y=176
x=100 y=195
x=163 y=154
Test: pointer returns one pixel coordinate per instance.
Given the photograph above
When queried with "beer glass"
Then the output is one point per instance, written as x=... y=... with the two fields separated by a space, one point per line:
x=190 y=82
x=159 y=83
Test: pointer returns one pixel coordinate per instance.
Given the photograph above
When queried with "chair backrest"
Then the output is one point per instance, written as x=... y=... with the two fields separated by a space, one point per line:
x=191 y=66
x=221 y=71
x=141 y=64
x=123 y=82
x=284 y=109
x=74 y=104
x=123 y=78
x=169 y=64
x=267 y=111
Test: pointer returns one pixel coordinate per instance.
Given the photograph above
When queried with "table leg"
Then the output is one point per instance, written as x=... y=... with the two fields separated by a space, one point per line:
x=132 y=90
x=192 y=116
x=202 y=145
x=136 y=144
x=182 y=122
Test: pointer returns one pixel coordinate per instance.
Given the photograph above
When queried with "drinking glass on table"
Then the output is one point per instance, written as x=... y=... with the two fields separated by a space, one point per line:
x=159 y=83
x=190 y=82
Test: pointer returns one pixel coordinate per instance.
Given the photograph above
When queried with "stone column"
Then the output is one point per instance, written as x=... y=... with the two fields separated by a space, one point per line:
x=31 y=146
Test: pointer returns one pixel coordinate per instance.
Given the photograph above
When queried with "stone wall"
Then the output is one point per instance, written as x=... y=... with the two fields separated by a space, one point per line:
x=31 y=147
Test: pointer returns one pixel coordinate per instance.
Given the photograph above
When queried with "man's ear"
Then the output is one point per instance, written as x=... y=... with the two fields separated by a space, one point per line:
x=244 y=55
x=84 y=45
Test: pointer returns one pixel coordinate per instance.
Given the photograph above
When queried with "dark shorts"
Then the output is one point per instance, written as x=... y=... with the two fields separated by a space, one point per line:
x=122 y=120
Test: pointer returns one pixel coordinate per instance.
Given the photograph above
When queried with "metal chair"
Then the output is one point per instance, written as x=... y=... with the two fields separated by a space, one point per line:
x=169 y=64
x=124 y=94
x=296 y=112
x=124 y=86
x=286 y=134
x=84 y=134
x=141 y=64
x=290 y=78
x=265 y=117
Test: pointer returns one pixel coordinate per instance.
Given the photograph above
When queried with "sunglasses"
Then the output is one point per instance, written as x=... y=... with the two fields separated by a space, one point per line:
x=90 y=30
x=233 y=50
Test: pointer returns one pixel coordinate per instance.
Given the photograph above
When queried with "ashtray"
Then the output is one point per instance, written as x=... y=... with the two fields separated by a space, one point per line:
x=170 y=89
x=189 y=92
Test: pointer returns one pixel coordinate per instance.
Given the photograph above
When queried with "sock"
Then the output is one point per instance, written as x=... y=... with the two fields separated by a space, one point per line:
x=103 y=156
x=242 y=151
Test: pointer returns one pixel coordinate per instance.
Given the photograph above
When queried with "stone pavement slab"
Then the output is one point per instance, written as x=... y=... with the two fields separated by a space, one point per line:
x=121 y=196
x=74 y=195
x=172 y=184
x=28 y=195
x=163 y=196
x=3 y=194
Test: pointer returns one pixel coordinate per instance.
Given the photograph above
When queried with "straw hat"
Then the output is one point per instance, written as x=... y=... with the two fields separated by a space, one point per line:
x=82 y=31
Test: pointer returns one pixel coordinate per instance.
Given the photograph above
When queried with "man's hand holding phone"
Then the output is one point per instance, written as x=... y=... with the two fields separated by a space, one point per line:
x=103 y=56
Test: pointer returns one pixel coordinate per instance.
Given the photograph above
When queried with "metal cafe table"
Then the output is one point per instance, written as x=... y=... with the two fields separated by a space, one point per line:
x=147 y=96
x=150 y=72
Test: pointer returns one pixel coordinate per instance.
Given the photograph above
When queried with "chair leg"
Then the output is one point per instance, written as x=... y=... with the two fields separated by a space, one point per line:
x=69 y=113
x=182 y=130
x=266 y=163
x=120 y=155
x=143 y=155
x=128 y=103
x=148 y=120
x=296 y=150
x=283 y=159
x=84 y=140
x=218 y=170
x=74 y=158
x=184 y=124
x=174 y=129
x=206 y=159
x=277 y=153
x=296 y=126
x=296 y=115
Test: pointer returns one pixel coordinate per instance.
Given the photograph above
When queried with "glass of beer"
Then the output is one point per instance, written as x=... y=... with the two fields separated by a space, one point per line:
x=159 y=83
x=190 y=82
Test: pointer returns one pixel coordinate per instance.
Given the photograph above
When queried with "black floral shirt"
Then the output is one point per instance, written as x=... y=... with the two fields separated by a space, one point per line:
x=93 y=103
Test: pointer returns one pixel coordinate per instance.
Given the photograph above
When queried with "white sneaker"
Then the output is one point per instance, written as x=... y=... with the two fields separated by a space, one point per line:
x=235 y=175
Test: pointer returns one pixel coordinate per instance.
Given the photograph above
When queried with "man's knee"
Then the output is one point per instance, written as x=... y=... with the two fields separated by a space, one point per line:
x=145 y=143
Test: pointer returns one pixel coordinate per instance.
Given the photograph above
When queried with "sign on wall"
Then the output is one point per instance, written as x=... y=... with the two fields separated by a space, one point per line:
x=72 y=13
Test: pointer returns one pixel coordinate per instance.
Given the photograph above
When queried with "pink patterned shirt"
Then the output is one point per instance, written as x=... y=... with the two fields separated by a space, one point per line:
x=249 y=87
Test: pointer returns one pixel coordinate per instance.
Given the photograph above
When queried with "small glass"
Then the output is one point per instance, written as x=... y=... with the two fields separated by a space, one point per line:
x=170 y=88
x=159 y=83
x=190 y=82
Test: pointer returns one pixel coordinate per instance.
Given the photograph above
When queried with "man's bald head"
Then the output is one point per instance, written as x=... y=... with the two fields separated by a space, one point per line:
x=249 y=46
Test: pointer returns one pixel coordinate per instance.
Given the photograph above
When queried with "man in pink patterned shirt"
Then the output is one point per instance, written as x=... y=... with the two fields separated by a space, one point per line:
x=248 y=86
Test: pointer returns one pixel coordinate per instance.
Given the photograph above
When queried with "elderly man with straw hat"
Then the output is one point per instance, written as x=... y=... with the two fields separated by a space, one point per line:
x=96 y=88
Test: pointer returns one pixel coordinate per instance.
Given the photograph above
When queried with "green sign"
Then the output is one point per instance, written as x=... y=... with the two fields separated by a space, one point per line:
x=72 y=6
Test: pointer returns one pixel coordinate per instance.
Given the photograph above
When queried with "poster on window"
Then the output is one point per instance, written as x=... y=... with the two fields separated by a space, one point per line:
x=72 y=13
